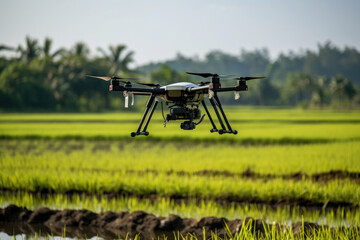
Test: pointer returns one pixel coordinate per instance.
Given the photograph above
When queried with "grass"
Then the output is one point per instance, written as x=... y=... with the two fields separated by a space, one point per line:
x=277 y=190
x=118 y=156
x=254 y=126
x=94 y=153
x=34 y=166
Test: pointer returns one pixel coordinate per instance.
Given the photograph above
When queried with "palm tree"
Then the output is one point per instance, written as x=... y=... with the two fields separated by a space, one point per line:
x=117 y=62
x=31 y=49
x=4 y=47
x=46 y=49
x=80 y=50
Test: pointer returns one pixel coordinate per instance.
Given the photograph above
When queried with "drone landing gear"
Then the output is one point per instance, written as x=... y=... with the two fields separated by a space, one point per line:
x=215 y=102
x=148 y=106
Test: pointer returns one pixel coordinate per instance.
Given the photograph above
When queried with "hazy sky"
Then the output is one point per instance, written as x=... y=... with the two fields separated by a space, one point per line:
x=157 y=30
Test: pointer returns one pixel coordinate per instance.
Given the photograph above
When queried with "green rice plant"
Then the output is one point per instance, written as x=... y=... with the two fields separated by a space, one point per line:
x=109 y=157
x=187 y=186
x=254 y=125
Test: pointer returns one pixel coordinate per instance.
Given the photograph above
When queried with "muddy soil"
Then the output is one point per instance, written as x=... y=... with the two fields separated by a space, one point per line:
x=109 y=225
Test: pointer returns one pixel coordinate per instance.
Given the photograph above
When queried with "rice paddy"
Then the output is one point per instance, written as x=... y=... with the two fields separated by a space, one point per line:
x=283 y=166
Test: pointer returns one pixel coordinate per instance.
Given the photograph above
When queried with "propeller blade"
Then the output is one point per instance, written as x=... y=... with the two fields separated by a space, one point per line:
x=204 y=75
x=107 y=78
x=247 y=78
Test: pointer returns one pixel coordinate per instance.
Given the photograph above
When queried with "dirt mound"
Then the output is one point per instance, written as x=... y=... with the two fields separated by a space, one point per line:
x=84 y=223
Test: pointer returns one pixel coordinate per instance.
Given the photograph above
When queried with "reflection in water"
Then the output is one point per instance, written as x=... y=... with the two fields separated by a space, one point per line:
x=26 y=231
x=4 y=236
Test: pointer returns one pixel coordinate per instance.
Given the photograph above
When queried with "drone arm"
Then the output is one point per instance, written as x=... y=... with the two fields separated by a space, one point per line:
x=229 y=89
x=142 y=93
x=225 y=89
x=138 y=90
x=203 y=88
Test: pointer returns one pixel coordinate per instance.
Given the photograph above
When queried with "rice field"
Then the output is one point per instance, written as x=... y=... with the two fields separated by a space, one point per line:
x=284 y=165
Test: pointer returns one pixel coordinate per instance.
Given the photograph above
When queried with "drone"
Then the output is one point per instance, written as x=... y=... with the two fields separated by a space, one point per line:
x=183 y=99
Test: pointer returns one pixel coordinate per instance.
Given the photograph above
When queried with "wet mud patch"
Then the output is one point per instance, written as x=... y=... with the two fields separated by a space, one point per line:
x=110 y=225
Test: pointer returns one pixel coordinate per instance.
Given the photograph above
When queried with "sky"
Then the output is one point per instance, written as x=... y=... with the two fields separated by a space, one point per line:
x=158 y=30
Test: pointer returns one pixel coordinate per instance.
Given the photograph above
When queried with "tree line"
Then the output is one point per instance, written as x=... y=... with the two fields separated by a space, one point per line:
x=39 y=78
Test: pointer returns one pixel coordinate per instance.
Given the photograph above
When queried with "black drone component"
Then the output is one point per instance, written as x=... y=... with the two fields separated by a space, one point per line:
x=187 y=125
x=185 y=98
x=179 y=113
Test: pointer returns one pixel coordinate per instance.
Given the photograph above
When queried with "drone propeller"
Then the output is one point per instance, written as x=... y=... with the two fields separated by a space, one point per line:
x=206 y=75
x=106 y=78
x=127 y=84
x=247 y=78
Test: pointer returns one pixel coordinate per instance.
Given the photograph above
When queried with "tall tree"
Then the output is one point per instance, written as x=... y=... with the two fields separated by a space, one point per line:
x=119 y=64
x=46 y=49
x=31 y=49
x=341 y=88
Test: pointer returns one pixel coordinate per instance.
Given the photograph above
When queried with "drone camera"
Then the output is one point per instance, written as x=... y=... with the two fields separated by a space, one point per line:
x=187 y=125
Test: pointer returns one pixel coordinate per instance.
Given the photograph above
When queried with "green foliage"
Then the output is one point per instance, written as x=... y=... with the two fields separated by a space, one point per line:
x=165 y=75
x=167 y=166
x=55 y=79
x=119 y=64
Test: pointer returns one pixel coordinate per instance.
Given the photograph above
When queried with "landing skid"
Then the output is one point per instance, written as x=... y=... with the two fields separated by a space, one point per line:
x=215 y=102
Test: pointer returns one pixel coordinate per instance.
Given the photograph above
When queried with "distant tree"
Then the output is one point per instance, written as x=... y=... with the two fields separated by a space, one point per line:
x=166 y=75
x=24 y=83
x=118 y=63
x=320 y=94
x=45 y=50
x=299 y=87
x=31 y=49
x=265 y=92
x=342 y=89
x=254 y=62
